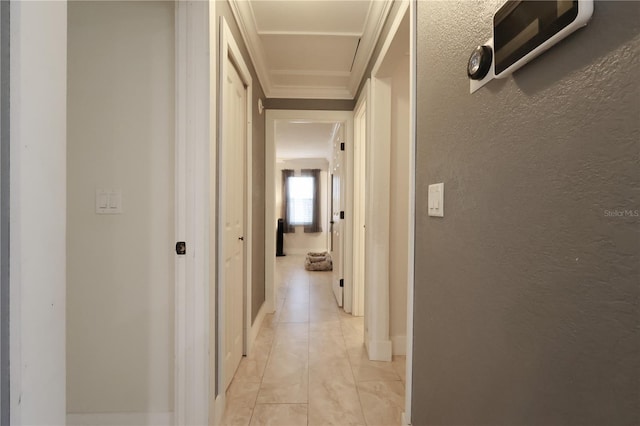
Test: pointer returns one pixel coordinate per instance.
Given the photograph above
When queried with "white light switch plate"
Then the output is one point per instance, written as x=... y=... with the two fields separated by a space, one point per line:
x=108 y=201
x=436 y=200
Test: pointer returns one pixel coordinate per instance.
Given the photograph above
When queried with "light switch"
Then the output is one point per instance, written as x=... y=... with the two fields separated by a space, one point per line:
x=436 y=200
x=102 y=200
x=113 y=200
x=108 y=201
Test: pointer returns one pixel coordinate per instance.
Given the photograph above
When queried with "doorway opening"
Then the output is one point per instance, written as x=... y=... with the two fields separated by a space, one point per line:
x=337 y=126
x=379 y=214
x=383 y=170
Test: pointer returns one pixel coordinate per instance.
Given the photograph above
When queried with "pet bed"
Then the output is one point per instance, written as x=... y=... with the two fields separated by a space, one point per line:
x=318 y=262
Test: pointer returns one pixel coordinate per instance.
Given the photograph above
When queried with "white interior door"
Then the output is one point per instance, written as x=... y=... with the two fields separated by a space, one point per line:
x=232 y=190
x=359 y=206
x=337 y=254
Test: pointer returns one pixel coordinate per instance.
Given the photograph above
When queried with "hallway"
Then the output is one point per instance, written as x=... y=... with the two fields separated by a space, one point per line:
x=309 y=365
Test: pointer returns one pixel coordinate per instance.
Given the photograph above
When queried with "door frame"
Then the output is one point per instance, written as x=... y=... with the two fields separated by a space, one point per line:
x=272 y=117
x=5 y=190
x=379 y=101
x=229 y=50
x=413 y=116
x=195 y=107
x=338 y=167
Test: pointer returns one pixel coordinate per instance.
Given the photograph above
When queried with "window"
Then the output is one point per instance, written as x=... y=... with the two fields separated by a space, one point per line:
x=300 y=191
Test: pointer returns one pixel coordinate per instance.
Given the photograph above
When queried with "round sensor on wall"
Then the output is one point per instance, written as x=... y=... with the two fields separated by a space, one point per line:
x=479 y=62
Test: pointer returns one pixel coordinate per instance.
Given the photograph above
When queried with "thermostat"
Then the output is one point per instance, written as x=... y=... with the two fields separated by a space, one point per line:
x=523 y=29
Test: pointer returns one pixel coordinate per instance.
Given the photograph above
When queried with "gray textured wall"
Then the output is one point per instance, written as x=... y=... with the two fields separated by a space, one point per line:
x=527 y=291
x=311 y=104
x=258 y=163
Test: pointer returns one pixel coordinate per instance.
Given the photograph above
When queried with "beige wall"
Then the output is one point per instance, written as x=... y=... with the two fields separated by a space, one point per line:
x=311 y=104
x=120 y=267
x=300 y=242
x=399 y=205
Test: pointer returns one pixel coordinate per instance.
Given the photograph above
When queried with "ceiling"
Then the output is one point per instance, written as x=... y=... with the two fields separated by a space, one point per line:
x=298 y=139
x=315 y=49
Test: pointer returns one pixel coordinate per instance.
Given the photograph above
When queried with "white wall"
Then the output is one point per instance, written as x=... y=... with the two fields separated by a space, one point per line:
x=300 y=242
x=120 y=344
x=38 y=192
x=399 y=200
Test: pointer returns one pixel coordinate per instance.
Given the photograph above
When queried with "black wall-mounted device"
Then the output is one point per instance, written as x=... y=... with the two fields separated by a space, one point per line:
x=522 y=30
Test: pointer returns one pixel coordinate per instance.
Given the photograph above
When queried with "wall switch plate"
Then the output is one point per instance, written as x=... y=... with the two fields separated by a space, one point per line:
x=436 y=200
x=108 y=201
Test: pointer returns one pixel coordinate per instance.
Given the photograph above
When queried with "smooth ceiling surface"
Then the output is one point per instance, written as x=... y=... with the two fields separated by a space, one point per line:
x=310 y=48
x=310 y=16
x=303 y=140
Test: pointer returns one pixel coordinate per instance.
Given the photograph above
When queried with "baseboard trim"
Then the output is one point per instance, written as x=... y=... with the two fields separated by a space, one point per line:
x=304 y=251
x=399 y=345
x=380 y=350
x=120 y=419
x=257 y=324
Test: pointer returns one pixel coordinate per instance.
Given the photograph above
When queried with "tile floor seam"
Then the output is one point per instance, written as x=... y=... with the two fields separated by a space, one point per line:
x=255 y=402
x=355 y=380
x=308 y=345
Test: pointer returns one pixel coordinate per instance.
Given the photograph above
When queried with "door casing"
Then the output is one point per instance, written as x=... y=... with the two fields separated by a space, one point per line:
x=195 y=111
x=5 y=402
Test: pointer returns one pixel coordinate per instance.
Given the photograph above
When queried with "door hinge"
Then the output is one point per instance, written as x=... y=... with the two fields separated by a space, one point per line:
x=181 y=248
x=341 y=146
x=341 y=282
x=342 y=214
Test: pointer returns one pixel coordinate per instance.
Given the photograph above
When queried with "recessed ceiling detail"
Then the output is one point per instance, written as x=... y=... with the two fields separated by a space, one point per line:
x=315 y=49
x=302 y=139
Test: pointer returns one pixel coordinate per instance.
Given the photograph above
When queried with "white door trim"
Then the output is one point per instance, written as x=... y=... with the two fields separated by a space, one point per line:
x=193 y=105
x=229 y=49
x=272 y=116
x=406 y=416
x=377 y=341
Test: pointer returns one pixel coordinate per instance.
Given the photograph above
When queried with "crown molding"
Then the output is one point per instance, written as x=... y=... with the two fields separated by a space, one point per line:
x=242 y=12
x=309 y=33
x=369 y=40
x=245 y=18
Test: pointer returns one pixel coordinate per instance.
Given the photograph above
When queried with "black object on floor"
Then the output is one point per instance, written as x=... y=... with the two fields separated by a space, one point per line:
x=280 y=239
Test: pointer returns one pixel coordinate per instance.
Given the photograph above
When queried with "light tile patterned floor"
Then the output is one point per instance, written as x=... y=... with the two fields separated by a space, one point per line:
x=309 y=366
